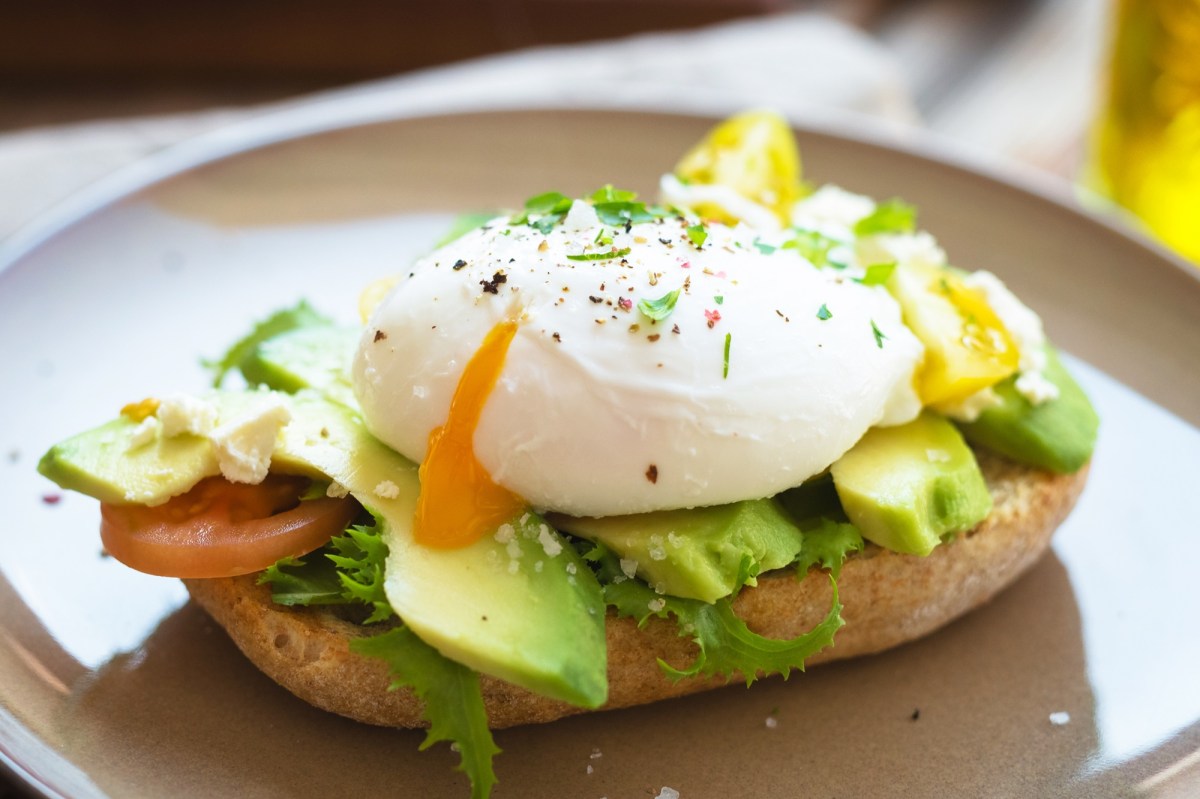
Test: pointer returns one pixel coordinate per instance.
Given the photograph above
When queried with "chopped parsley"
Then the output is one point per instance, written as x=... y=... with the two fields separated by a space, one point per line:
x=764 y=248
x=661 y=308
x=815 y=248
x=890 y=216
x=599 y=256
x=879 y=336
x=877 y=274
x=823 y=313
x=728 y=340
x=697 y=234
x=719 y=299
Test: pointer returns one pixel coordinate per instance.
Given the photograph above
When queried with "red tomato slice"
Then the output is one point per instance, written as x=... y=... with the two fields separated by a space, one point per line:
x=220 y=529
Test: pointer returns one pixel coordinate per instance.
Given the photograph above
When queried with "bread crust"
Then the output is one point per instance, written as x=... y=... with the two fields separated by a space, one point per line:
x=888 y=599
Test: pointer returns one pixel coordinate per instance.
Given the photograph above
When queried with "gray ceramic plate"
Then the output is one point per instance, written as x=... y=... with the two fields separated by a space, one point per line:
x=112 y=685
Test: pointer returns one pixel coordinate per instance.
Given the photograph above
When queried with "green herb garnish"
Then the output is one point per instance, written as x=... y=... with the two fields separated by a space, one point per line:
x=719 y=299
x=877 y=274
x=697 y=235
x=823 y=313
x=725 y=371
x=599 y=256
x=890 y=216
x=879 y=336
x=764 y=248
x=661 y=308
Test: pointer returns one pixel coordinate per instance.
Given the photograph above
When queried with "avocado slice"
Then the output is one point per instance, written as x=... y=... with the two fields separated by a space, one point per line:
x=1058 y=435
x=906 y=487
x=103 y=463
x=537 y=626
x=316 y=357
x=700 y=553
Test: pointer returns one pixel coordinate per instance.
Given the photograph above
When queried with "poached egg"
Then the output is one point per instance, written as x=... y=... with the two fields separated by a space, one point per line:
x=658 y=365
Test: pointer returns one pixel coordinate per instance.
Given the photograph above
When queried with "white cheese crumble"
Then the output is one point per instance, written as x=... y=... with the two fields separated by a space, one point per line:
x=629 y=567
x=656 y=605
x=182 y=413
x=832 y=211
x=244 y=445
x=144 y=433
x=1025 y=328
x=505 y=533
x=387 y=490
x=551 y=545
x=690 y=195
x=969 y=409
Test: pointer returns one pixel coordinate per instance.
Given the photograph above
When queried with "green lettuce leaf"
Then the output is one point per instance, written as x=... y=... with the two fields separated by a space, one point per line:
x=346 y=571
x=301 y=315
x=827 y=545
x=727 y=646
x=452 y=698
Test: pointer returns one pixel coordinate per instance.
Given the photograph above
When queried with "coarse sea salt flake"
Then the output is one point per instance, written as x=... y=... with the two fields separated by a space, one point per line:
x=667 y=793
x=629 y=567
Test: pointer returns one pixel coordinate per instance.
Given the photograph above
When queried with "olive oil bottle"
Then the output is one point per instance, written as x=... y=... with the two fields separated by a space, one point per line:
x=1146 y=143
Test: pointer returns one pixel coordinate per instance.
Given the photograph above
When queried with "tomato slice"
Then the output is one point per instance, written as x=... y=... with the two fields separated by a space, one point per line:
x=221 y=529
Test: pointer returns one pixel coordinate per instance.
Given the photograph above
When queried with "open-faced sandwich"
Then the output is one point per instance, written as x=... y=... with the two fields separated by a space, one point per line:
x=600 y=452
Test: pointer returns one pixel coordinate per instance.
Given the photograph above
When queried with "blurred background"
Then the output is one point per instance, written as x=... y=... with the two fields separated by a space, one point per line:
x=87 y=85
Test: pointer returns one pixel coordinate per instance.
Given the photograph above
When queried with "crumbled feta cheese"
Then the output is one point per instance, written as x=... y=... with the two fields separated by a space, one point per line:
x=144 y=433
x=505 y=533
x=1034 y=387
x=656 y=605
x=571 y=569
x=550 y=544
x=771 y=722
x=969 y=409
x=674 y=539
x=387 y=490
x=629 y=567
x=336 y=490
x=181 y=413
x=513 y=548
x=1025 y=328
x=244 y=445
x=1060 y=718
x=656 y=550
x=831 y=211
x=690 y=195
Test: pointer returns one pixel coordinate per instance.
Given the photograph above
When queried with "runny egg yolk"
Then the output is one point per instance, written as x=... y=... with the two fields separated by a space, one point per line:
x=459 y=502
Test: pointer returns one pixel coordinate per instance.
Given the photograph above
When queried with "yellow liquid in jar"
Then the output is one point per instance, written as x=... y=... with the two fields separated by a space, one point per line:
x=1146 y=147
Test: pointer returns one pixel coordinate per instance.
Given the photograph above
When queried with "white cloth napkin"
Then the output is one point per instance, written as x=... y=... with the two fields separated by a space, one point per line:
x=801 y=64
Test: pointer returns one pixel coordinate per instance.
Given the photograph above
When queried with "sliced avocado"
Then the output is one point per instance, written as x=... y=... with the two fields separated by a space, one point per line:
x=1058 y=435
x=905 y=487
x=537 y=626
x=103 y=463
x=316 y=357
x=702 y=553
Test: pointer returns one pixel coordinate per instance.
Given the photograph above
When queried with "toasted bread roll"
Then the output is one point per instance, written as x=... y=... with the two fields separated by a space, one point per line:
x=888 y=599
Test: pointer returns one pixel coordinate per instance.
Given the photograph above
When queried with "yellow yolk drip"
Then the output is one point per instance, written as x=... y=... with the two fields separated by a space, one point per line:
x=459 y=502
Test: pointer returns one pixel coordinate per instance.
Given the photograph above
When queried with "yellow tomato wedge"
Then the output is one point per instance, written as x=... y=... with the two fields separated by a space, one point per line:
x=967 y=347
x=754 y=154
